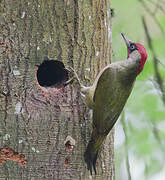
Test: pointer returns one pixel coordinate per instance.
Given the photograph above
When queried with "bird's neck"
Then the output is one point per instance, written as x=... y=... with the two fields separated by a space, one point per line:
x=129 y=67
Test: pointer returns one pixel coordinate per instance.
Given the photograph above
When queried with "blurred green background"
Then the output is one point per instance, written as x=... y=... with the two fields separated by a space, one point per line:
x=140 y=132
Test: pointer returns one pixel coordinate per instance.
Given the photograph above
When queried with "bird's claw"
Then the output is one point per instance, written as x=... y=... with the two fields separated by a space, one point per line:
x=83 y=89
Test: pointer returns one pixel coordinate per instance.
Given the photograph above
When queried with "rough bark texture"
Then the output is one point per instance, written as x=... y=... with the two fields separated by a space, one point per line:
x=76 y=32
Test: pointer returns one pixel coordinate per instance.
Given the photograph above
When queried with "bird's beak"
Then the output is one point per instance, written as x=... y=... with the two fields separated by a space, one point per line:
x=126 y=40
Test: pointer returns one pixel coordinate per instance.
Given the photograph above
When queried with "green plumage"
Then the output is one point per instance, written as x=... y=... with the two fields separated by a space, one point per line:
x=109 y=94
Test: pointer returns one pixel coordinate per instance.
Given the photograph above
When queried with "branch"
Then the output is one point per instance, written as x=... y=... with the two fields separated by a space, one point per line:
x=157 y=136
x=144 y=5
x=126 y=145
x=156 y=61
x=158 y=5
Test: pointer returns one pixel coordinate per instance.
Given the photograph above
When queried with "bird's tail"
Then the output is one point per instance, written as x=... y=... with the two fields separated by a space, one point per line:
x=91 y=152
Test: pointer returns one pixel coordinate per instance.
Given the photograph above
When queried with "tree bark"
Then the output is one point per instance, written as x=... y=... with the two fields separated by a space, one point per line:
x=78 y=33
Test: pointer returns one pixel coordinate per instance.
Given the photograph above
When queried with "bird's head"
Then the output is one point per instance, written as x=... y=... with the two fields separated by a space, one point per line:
x=131 y=47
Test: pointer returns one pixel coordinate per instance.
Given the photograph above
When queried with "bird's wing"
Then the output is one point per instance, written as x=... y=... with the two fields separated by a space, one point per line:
x=103 y=98
x=110 y=96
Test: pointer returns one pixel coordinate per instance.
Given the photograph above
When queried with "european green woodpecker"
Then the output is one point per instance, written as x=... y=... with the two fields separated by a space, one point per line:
x=108 y=95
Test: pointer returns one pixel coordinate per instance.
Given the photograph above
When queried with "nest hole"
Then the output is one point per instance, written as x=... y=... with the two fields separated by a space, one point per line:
x=52 y=73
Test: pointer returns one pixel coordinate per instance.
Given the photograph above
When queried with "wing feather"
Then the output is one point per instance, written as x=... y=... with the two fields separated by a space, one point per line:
x=109 y=99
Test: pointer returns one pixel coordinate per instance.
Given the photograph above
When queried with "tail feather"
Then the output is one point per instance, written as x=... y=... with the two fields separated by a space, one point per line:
x=90 y=157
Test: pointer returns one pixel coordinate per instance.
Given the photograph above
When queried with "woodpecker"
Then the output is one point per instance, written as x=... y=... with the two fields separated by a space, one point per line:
x=108 y=95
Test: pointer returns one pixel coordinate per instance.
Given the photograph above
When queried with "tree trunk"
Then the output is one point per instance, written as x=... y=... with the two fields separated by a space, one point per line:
x=35 y=124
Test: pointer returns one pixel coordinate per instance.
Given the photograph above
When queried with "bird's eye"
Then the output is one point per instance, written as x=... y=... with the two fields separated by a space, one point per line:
x=132 y=47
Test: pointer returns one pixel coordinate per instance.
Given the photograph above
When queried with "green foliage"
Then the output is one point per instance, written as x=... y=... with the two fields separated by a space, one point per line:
x=145 y=110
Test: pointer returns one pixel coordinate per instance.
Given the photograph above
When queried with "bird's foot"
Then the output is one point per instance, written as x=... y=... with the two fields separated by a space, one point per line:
x=83 y=89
